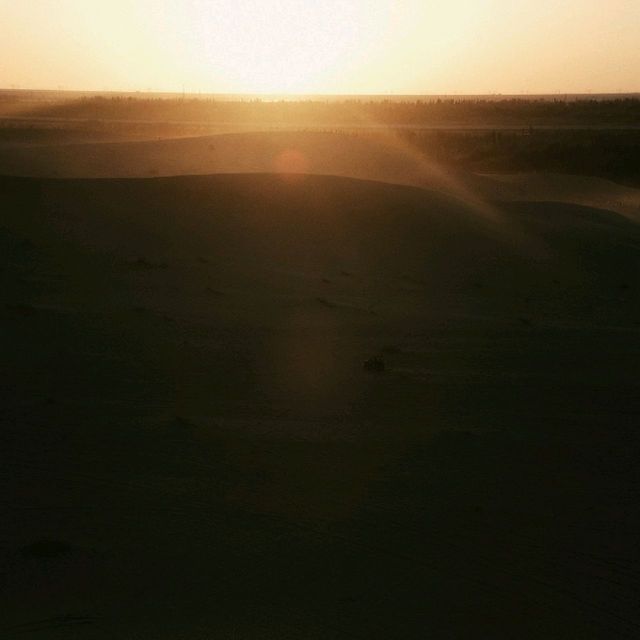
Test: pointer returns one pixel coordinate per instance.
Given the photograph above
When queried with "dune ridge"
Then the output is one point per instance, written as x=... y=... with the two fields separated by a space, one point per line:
x=386 y=158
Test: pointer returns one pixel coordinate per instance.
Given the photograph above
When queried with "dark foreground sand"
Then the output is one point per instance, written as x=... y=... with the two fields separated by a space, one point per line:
x=191 y=448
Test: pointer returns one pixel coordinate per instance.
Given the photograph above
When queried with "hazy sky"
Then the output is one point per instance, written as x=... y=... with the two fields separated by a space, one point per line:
x=326 y=46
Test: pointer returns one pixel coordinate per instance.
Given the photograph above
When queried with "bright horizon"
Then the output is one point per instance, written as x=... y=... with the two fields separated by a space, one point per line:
x=330 y=47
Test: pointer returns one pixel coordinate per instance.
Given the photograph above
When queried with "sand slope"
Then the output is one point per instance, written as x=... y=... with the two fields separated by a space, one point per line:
x=385 y=157
x=190 y=446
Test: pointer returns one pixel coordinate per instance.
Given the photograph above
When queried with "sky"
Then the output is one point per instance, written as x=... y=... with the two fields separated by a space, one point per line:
x=322 y=46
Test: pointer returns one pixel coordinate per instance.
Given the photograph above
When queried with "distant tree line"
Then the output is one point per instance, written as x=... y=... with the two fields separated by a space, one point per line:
x=605 y=153
x=442 y=112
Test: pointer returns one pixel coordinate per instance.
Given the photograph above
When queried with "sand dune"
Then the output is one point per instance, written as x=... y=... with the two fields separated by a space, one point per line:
x=190 y=440
x=385 y=158
x=582 y=190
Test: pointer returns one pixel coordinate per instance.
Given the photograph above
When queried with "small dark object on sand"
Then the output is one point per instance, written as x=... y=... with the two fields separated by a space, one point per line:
x=326 y=303
x=143 y=263
x=374 y=365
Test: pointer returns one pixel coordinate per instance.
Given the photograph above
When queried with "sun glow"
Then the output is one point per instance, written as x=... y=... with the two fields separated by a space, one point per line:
x=322 y=46
x=292 y=46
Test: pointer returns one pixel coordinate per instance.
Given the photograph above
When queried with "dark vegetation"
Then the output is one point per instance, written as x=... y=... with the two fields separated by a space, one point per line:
x=465 y=112
x=610 y=154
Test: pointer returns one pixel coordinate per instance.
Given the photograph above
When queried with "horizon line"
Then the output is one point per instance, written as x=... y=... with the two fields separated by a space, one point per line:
x=242 y=94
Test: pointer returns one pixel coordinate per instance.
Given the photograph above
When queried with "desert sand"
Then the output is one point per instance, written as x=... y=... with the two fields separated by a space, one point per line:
x=385 y=157
x=192 y=448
